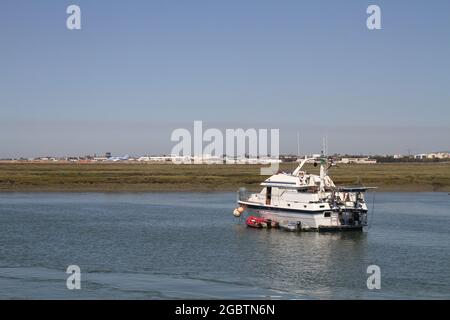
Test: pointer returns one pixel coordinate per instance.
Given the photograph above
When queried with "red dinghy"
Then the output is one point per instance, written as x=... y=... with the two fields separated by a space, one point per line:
x=255 y=222
x=258 y=222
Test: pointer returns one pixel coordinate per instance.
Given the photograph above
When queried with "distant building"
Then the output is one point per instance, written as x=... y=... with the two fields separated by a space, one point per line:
x=420 y=156
x=358 y=161
x=442 y=155
x=431 y=156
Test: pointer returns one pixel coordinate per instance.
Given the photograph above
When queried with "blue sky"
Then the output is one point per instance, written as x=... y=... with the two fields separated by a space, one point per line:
x=139 y=69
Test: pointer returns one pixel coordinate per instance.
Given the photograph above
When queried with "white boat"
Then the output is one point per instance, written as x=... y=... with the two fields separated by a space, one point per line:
x=309 y=201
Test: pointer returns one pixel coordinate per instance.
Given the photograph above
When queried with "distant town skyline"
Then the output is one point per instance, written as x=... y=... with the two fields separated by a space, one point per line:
x=443 y=155
x=137 y=71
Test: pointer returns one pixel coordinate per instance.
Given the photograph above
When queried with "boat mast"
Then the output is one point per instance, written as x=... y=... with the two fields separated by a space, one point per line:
x=323 y=173
x=323 y=163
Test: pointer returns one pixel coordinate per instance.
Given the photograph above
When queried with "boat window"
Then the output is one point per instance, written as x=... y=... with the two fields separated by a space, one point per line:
x=327 y=214
x=269 y=195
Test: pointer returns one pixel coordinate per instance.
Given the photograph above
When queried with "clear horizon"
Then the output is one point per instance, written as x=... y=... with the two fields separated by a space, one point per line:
x=135 y=72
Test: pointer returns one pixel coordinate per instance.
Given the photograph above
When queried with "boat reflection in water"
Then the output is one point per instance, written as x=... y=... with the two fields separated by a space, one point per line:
x=309 y=264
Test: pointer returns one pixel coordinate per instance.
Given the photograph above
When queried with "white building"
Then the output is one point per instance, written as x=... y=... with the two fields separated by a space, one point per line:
x=437 y=155
x=357 y=161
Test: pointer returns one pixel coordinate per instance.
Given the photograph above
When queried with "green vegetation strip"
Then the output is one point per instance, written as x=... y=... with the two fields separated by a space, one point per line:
x=136 y=177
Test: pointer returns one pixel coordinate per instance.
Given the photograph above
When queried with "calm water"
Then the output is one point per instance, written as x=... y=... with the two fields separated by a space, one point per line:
x=188 y=245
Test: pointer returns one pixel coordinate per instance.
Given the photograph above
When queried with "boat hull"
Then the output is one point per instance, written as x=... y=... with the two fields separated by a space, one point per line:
x=308 y=220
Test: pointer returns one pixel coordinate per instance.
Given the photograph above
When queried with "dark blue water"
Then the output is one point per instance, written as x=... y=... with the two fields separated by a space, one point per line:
x=188 y=245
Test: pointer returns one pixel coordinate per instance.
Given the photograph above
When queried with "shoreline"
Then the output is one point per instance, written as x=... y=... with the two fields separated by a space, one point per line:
x=123 y=190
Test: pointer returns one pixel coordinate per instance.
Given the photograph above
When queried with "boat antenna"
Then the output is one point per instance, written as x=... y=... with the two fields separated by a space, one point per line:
x=298 y=150
x=325 y=146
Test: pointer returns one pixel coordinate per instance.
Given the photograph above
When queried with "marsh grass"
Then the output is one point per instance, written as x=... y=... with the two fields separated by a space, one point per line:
x=136 y=177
